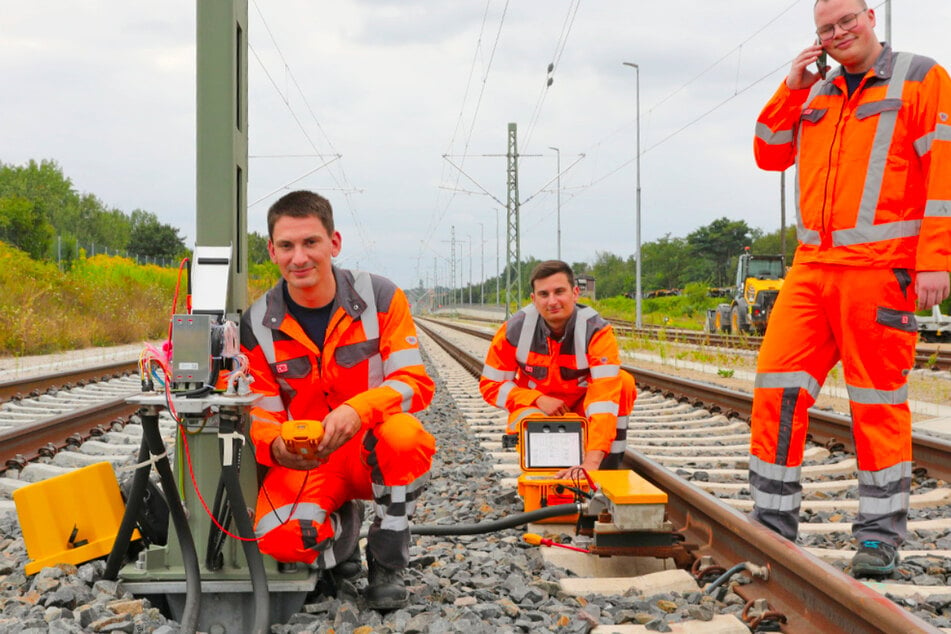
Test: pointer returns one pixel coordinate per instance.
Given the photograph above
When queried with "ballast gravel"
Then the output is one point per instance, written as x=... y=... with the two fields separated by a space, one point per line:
x=491 y=583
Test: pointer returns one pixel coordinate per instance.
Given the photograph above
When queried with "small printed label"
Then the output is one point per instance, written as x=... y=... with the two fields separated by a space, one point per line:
x=187 y=366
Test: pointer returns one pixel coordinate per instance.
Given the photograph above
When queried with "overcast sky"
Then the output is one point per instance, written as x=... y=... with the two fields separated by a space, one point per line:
x=107 y=90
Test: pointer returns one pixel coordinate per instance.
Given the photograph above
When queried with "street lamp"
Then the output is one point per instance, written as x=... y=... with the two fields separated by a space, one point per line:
x=637 y=259
x=558 y=167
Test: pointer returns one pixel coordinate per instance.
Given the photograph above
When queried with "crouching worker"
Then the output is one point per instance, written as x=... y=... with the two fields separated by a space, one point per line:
x=340 y=347
x=557 y=357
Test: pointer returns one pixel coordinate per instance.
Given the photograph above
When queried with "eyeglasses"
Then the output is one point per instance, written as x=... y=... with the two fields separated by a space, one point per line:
x=846 y=23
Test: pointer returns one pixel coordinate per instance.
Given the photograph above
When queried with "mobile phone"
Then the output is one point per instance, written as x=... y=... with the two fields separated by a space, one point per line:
x=822 y=62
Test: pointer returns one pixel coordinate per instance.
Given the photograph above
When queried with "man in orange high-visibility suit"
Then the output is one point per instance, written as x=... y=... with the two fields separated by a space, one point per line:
x=338 y=346
x=555 y=357
x=872 y=146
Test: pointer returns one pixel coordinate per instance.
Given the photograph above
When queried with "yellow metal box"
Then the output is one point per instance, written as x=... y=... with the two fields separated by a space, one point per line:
x=72 y=518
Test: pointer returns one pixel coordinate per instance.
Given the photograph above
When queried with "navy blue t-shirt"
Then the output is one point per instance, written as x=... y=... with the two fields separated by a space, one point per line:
x=314 y=321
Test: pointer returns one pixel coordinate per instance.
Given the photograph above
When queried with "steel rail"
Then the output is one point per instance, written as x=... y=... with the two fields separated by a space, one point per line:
x=39 y=384
x=929 y=356
x=30 y=441
x=810 y=594
x=827 y=428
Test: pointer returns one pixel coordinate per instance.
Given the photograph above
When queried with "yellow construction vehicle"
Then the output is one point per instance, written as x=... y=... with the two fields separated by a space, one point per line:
x=758 y=280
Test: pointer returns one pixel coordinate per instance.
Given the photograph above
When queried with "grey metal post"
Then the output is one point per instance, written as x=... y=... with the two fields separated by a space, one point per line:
x=558 y=186
x=637 y=254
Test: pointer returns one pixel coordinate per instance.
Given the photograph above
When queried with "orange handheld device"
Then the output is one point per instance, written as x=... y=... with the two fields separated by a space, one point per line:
x=302 y=436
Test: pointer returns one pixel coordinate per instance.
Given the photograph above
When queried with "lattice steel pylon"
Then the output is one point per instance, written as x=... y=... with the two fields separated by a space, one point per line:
x=513 y=251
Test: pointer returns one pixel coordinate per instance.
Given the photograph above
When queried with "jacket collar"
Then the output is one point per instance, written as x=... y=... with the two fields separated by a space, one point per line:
x=346 y=298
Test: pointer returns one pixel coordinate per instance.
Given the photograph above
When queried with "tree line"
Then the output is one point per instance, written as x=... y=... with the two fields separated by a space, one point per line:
x=706 y=256
x=42 y=214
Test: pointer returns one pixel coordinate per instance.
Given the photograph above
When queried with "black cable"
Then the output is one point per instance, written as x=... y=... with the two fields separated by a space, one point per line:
x=130 y=517
x=153 y=437
x=510 y=521
x=229 y=475
x=221 y=511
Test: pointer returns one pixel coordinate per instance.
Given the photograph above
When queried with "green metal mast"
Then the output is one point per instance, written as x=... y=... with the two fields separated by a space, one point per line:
x=222 y=135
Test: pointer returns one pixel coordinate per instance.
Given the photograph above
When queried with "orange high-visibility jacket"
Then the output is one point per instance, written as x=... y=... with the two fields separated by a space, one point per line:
x=525 y=362
x=873 y=170
x=370 y=359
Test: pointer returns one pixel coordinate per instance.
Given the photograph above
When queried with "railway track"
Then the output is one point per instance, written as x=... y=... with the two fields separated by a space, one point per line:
x=42 y=416
x=691 y=441
x=663 y=422
x=933 y=356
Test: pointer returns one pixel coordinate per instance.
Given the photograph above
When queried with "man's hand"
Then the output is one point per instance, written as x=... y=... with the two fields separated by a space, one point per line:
x=932 y=288
x=799 y=74
x=551 y=406
x=291 y=460
x=592 y=460
x=340 y=425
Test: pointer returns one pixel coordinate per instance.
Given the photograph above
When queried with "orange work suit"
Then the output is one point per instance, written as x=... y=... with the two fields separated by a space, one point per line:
x=582 y=368
x=874 y=182
x=370 y=361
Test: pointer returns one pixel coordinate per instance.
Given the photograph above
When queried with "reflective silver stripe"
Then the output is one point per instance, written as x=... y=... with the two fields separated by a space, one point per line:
x=397 y=495
x=494 y=374
x=618 y=446
x=622 y=422
x=402 y=359
x=370 y=320
x=504 y=390
x=281 y=515
x=804 y=235
x=405 y=391
x=528 y=332
x=775 y=472
x=883 y=506
x=580 y=338
x=865 y=229
x=800 y=379
x=942 y=132
x=767 y=136
x=261 y=332
x=885 y=477
x=601 y=407
x=513 y=424
x=266 y=421
x=938 y=209
x=773 y=502
x=872 y=396
x=604 y=371
x=271 y=404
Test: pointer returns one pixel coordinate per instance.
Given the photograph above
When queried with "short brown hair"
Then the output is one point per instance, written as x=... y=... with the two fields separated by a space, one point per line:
x=549 y=268
x=301 y=204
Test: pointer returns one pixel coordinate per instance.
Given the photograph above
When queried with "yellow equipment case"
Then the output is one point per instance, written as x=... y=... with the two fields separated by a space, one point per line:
x=546 y=445
x=71 y=518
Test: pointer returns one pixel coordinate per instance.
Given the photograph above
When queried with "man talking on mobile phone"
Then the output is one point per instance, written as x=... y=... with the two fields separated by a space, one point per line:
x=872 y=147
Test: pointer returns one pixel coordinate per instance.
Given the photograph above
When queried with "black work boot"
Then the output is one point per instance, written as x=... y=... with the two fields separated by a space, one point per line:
x=386 y=589
x=351 y=516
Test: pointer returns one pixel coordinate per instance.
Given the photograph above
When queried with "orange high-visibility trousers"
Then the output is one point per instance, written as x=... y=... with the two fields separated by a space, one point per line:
x=865 y=318
x=296 y=517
